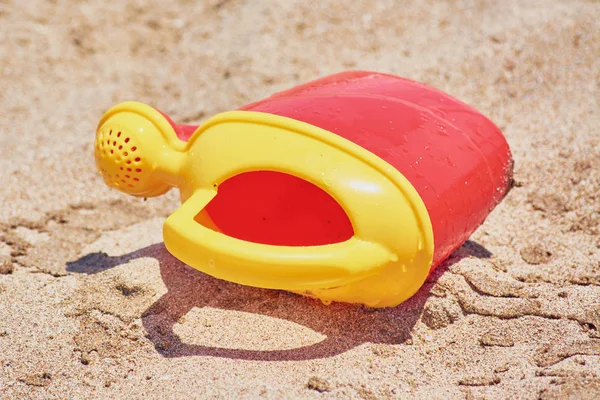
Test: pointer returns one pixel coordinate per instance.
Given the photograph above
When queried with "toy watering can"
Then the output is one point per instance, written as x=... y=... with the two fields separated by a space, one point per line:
x=349 y=188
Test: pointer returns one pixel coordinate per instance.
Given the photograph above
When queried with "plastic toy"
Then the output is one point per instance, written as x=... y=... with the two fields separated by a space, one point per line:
x=349 y=188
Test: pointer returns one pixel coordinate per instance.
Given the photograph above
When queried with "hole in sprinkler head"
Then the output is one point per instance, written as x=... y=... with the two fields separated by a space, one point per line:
x=126 y=140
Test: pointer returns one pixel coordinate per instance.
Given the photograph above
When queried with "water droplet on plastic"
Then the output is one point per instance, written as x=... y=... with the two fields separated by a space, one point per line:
x=442 y=130
x=326 y=301
x=403 y=268
x=393 y=257
x=212 y=263
x=420 y=245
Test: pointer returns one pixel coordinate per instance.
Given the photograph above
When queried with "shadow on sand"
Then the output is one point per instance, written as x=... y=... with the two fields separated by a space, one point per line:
x=345 y=326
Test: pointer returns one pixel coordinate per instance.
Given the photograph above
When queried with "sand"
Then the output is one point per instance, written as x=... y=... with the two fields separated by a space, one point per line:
x=93 y=306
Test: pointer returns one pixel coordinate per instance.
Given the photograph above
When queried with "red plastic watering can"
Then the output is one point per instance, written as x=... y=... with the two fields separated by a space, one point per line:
x=351 y=188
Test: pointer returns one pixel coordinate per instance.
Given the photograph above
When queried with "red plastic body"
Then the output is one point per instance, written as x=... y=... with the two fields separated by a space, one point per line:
x=456 y=158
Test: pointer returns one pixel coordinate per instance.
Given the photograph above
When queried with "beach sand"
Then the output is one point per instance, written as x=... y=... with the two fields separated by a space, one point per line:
x=93 y=306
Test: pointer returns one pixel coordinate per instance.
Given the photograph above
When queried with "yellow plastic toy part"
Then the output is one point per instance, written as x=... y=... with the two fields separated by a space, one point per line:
x=386 y=261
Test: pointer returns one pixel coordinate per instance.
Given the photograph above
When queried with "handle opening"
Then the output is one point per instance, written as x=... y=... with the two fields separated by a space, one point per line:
x=275 y=208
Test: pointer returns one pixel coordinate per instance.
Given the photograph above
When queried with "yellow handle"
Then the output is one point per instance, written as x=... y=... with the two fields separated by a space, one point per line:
x=385 y=262
x=275 y=267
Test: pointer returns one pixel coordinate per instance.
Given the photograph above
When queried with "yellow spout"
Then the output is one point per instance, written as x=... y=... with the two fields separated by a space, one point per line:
x=137 y=151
